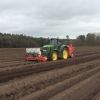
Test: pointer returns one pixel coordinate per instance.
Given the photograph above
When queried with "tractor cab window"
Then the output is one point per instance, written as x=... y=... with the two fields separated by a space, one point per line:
x=55 y=42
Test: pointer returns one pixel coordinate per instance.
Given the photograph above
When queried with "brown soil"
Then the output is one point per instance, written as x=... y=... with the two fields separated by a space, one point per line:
x=75 y=79
x=96 y=97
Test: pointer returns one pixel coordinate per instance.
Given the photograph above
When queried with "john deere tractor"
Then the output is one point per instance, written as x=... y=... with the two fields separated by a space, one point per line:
x=57 y=50
x=54 y=51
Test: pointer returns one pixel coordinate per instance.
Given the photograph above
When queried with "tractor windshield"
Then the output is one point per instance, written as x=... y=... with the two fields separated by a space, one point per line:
x=55 y=42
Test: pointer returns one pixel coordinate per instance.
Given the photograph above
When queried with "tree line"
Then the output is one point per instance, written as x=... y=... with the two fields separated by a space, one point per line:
x=22 y=41
x=88 y=40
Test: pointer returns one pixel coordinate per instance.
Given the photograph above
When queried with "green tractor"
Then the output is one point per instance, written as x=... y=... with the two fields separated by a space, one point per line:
x=57 y=50
x=54 y=51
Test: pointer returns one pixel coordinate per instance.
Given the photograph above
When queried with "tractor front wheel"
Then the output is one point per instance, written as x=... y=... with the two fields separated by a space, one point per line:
x=65 y=54
x=54 y=56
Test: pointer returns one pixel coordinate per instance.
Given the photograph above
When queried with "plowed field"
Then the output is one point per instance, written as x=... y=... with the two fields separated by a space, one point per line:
x=73 y=79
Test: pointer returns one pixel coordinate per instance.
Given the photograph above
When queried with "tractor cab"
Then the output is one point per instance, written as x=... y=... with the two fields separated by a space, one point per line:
x=55 y=42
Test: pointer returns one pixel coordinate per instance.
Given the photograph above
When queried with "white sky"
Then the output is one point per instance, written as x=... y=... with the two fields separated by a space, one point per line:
x=50 y=18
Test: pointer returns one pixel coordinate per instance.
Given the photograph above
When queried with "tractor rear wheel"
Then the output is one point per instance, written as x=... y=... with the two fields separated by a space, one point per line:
x=65 y=54
x=54 y=56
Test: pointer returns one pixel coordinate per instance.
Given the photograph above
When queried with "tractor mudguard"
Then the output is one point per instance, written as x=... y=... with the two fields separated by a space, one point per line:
x=71 y=50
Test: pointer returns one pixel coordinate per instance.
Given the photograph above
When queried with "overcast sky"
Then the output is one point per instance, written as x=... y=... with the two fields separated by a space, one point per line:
x=50 y=18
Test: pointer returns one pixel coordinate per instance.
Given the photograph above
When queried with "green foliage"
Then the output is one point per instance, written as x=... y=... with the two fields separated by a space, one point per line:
x=20 y=41
x=89 y=40
x=80 y=40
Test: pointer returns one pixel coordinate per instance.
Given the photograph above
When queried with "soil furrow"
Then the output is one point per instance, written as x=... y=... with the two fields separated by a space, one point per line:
x=27 y=70
x=41 y=81
x=59 y=87
x=80 y=91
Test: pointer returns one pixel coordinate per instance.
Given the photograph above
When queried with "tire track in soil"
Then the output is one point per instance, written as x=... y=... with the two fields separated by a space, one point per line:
x=60 y=86
x=81 y=90
x=74 y=71
x=95 y=96
x=79 y=75
x=30 y=69
x=15 y=64
x=18 y=63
